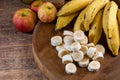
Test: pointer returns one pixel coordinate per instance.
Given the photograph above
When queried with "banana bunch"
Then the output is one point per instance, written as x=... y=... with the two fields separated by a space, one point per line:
x=94 y=16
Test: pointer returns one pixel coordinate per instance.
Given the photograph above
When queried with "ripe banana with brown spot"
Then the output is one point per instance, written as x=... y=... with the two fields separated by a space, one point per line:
x=92 y=10
x=96 y=28
x=63 y=21
x=110 y=26
x=79 y=21
x=73 y=6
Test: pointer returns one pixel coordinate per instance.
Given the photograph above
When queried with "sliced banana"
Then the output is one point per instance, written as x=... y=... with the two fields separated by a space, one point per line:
x=60 y=47
x=84 y=62
x=84 y=41
x=90 y=45
x=67 y=33
x=94 y=66
x=67 y=47
x=67 y=59
x=98 y=56
x=70 y=68
x=100 y=48
x=75 y=46
x=84 y=49
x=56 y=40
x=68 y=40
x=91 y=52
x=78 y=35
x=63 y=52
x=78 y=56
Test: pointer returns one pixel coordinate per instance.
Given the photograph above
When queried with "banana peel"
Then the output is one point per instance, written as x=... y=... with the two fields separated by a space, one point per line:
x=96 y=28
x=72 y=7
x=92 y=10
x=110 y=27
x=78 y=25
x=63 y=21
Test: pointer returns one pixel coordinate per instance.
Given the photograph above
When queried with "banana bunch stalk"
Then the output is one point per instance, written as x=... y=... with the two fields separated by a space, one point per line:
x=110 y=27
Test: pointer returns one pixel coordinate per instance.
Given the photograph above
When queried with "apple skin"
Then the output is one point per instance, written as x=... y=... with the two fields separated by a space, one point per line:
x=24 y=20
x=47 y=12
x=35 y=5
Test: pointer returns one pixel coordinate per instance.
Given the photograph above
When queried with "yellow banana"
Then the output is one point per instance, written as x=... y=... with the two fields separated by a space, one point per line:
x=73 y=6
x=63 y=21
x=96 y=28
x=78 y=25
x=92 y=10
x=110 y=26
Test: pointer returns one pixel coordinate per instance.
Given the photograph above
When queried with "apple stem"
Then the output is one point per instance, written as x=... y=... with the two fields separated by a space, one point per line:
x=23 y=14
x=49 y=7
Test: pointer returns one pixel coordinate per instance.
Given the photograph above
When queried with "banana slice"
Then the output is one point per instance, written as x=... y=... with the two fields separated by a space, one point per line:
x=84 y=62
x=77 y=56
x=98 y=56
x=56 y=40
x=68 y=40
x=84 y=49
x=63 y=52
x=90 y=45
x=60 y=47
x=91 y=52
x=94 y=66
x=67 y=47
x=75 y=46
x=100 y=48
x=67 y=33
x=70 y=68
x=78 y=35
x=84 y=41
x=67 y=59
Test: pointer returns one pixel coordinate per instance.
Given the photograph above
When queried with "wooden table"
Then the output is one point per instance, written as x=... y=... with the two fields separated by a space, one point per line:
x=16 y=59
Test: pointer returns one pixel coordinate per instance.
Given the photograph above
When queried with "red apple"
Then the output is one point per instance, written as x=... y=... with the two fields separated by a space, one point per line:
x=47 y=12
x=35 y=5
x=24 y=19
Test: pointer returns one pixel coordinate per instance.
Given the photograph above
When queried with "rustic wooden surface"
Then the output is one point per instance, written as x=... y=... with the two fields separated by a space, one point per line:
x=16 y=59
x=49 y=63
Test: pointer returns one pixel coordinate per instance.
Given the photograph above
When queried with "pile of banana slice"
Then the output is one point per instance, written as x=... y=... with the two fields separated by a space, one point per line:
x=74 y=47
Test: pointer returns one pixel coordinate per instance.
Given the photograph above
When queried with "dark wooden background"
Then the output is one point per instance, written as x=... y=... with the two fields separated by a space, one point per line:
x=16 y=59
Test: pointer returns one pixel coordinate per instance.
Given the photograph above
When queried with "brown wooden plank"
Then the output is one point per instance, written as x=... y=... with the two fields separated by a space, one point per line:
x=16 y=59
x=24 y=74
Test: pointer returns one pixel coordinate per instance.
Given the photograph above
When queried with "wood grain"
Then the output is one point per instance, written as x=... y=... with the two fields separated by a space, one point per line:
x=16 y=58
x=46 y=58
